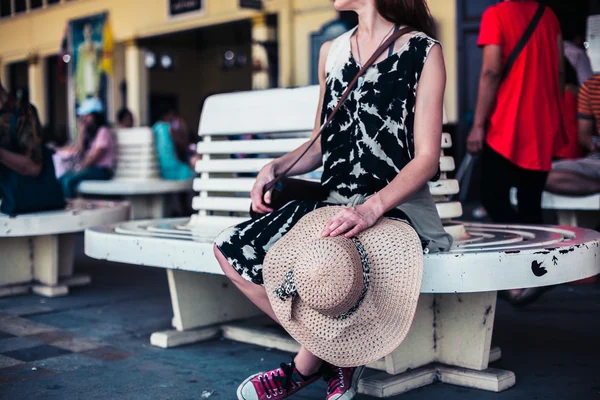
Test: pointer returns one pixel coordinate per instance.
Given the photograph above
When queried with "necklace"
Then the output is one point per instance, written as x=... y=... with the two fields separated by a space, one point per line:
x=358 y=47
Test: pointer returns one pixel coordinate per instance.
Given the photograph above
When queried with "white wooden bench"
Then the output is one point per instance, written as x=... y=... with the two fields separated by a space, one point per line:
x=38 y=249
x=451 y=336
x=583 y=211
x=137 y=176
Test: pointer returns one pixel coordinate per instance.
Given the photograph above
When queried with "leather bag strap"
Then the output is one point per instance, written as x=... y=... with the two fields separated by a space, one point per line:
x=389 y=42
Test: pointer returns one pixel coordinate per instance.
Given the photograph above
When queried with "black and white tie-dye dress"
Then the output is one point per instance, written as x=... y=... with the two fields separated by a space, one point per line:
x=369 y=141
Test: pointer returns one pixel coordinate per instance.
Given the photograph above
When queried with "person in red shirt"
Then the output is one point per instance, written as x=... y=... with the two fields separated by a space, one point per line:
x=517 y=119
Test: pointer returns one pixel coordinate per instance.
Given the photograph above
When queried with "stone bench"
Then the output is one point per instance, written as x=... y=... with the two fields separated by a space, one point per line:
x=38 y=249
x=451 y=336
x=583 y=211
x=137 y=176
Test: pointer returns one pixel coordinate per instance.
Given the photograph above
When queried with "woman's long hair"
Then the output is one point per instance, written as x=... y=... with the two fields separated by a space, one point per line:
x=414 y=13
x=92 y=131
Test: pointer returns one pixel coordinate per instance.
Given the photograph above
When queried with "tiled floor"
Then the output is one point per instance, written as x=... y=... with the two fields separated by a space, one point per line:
x=94 y=344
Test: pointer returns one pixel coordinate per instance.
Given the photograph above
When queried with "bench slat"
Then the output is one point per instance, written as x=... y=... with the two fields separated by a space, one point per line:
x=447 y=210
x=447 y=163
x=260 y=111
x=253 y=146
x=255 y=164
x=444 y=187
x=265 y=146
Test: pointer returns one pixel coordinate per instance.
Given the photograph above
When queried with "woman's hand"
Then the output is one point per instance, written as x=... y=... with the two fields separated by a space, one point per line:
x=260 y=203
x=351 y=221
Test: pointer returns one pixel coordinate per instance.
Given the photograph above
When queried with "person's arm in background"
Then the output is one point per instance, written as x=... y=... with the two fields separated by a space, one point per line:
x=19 y=163
x=561 y=64
x=585 y=118
x=490 y=39
x=99 y=148
x=489 y=82
x=583 y=67
x=30 y=141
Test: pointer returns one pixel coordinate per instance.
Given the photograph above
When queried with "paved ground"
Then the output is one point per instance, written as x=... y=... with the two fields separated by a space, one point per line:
x=94 y=344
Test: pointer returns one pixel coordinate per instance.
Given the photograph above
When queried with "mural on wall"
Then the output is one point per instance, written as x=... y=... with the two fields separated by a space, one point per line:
x=91 y=50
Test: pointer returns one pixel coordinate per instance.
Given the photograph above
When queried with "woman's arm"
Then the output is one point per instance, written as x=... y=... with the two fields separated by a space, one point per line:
x=489 y=82
x=92 y=157
x=424 y=165
x=311 y=160
x=98 y=149
x=19 y=163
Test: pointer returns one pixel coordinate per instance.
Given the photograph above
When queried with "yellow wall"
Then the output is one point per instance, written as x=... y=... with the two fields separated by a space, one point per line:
x=444 y=14
x=307 y=22
x=40 y=31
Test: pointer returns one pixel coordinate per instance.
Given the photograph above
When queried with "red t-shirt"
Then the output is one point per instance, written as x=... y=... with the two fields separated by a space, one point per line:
x=526 y=117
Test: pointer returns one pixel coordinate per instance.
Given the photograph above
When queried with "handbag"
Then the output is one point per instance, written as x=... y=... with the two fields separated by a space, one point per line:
x=26 y=194
x=287 y=189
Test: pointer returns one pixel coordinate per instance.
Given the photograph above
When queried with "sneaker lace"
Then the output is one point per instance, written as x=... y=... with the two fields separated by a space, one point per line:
x=334 y=377
x=275 y=383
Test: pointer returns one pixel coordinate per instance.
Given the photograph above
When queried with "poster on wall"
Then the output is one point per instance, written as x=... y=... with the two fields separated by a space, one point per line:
x=184 y=7
x=593 y=42
x=91 y=49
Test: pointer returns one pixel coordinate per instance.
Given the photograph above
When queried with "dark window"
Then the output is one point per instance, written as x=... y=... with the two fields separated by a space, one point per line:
x=53 y=1
x=5 y=8
x=20 y=6
x=36 y=4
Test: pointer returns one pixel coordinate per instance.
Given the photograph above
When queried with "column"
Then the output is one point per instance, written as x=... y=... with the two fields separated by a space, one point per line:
x=4 y=75
x=285 y=41
x=136 y=76
x=36 y=82
x=261 y=33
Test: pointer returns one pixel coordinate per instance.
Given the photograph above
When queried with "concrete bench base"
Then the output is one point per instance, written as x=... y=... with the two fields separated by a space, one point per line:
x=43 y=264
x=449 y=342
x=383 y=385
x=149 y=198
x=38 y=249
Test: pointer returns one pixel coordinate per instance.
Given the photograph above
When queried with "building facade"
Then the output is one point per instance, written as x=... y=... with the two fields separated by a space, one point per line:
x=30 y=40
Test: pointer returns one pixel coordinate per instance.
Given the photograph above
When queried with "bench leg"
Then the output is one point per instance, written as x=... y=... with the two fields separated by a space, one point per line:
x=449 y=342
x=16 y=266
x=201 y=301
x=53 y=257
x=148 y=207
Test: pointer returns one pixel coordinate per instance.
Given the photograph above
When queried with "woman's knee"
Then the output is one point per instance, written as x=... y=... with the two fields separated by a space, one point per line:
x=228 y=270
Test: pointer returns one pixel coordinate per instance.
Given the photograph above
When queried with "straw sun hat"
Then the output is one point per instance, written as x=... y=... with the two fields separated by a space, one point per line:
x=348 y=301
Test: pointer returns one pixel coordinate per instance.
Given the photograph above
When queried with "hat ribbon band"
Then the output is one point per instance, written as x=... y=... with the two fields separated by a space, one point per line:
x=288 y=288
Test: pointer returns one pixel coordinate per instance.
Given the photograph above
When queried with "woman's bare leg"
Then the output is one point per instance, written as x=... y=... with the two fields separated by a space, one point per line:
x=306 y=362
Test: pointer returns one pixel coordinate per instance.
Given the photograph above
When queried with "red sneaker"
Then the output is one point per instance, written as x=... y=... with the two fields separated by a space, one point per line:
x=276 y=384
x=342 y=383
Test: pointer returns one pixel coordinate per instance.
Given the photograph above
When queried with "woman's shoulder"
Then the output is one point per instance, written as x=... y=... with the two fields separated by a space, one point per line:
x=420 y=38
x=337 y=49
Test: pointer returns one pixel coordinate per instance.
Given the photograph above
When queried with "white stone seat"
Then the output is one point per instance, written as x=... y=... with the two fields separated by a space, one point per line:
x=137 y=176
x=38 y=248
x=454 y=319
x=581 y=211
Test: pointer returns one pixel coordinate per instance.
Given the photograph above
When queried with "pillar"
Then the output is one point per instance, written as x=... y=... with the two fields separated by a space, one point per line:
x=136 y=76
x=285 y=40
x=261 y=33
x=36 y=83
x=4 y=75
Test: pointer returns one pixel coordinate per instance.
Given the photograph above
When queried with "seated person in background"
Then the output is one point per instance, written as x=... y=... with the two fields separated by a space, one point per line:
x=172 y=144
x=125 y=118
x=582 y=176
x=95 y=151
x=23 y=153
